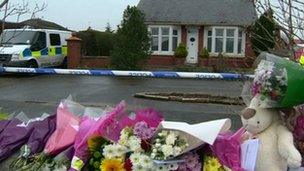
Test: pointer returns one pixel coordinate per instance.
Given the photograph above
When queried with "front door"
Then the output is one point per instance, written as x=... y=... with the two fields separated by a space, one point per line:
x=192 y=45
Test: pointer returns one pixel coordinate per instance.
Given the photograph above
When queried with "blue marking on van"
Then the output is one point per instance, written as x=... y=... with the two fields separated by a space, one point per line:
x=58 y=51
x=44 y=51
x=27 y=52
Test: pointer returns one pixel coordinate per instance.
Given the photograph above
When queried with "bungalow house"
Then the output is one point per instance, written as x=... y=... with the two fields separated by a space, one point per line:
x=218 y=25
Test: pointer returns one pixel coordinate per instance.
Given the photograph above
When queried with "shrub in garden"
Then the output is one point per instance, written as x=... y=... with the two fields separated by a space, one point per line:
x=204 y=53
x=96 y=43
x=181 y=51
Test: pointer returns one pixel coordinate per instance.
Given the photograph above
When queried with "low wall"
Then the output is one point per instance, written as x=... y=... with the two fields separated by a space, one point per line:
x=94 y=62
x=168 y=61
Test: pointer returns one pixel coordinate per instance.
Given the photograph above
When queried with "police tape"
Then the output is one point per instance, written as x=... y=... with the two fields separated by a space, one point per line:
x=118 y=73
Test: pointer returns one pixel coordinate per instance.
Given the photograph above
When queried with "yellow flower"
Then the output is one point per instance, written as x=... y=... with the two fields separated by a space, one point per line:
x=112 y=165
x=212 y=164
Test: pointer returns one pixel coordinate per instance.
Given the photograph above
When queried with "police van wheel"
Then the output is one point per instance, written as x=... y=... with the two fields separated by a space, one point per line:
x=64 y=64
x=32 y=64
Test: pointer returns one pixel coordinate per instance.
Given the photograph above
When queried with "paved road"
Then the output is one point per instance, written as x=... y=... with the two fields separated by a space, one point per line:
x=37 y=94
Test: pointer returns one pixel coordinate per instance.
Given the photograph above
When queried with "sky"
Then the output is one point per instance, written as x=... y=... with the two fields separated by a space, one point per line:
x=79 y=14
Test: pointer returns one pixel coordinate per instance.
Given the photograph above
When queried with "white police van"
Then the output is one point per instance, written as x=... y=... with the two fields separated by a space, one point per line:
x=33 y=48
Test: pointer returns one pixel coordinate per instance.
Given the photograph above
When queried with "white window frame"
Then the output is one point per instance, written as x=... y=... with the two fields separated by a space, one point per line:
x=171 y=28
x=236 y=38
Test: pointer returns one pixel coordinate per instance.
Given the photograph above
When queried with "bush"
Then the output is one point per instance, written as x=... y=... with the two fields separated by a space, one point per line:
x=204 y=53
x=181 y=51
x=96 y=43
x=132 y=41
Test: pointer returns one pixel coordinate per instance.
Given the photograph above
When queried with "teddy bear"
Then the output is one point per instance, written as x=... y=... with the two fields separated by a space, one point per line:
x=276 y=150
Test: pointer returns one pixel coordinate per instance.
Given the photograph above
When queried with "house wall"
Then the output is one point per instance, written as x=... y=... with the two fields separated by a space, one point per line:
x=94 y=62
x=184 y=34
x=77 y=60
x=200 y=39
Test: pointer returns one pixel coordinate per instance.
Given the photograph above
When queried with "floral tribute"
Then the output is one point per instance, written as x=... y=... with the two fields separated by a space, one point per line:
x=143 y=146
x=116 y=140
x=270 y=83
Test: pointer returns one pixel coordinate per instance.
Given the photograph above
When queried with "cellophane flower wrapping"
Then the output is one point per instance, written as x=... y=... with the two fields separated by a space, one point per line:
x=270 y=83
x=42 y=130
x=227 y=148
x=41 y=133
x=13 y=137
x=89 y=128
x=67 y=126
x=80 y=145
x=277 y=82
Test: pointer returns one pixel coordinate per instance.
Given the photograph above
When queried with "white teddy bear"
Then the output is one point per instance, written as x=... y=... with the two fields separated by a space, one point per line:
x=276 y=149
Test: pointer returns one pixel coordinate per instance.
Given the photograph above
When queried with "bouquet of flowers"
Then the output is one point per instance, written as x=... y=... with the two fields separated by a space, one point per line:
x=67 y=125
x=270 y=83
x=145 y=142
x=277 y=82
x=42 y=130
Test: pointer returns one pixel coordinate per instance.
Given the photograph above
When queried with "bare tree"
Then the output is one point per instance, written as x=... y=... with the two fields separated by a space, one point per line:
x=17 y=10
x=289 y=17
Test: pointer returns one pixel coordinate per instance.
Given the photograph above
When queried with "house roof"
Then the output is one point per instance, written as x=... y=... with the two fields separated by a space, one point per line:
x=34 y=23
x=43 y=24
x=199 y=12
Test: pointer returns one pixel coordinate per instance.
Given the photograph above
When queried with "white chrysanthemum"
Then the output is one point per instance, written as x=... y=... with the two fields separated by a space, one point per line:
x=109 y=151
x=146 y=162
x=171 y=138
x=120 y=150
x=134 y=143
x=124 y=136
x=167 y=150
x=114 y=151
x=177 y=151
x=153 y=155
x=138 y=167
x=135 y=158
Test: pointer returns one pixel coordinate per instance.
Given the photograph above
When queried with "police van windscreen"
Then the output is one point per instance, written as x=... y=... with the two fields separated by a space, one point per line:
x=18 y=37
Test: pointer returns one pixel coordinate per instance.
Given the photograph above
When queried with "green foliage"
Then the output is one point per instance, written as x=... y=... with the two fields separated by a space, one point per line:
x=181 y=51
x=96 y=43
x=108 y=28
x=263 y=33
x=132 y=41
x=204 y=53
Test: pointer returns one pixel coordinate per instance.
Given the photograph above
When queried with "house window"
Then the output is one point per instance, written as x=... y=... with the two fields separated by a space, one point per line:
x=229 y=40
x=219 y=37
x=174 y=39
x=154 y=42
x=164 y=39
x=209 y=40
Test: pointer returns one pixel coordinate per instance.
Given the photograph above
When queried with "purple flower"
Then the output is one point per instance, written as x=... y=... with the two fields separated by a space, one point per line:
x=143 y=131
x=192 y=162
x=256 y=89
